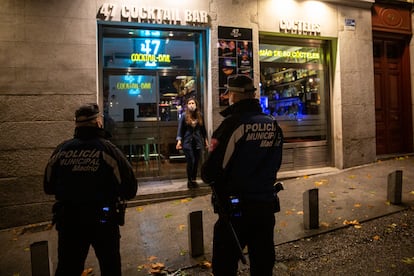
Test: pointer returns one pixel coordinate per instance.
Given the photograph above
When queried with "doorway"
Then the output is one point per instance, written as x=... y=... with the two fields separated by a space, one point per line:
x=141 y=114
x=392 y=96
x=146 y=76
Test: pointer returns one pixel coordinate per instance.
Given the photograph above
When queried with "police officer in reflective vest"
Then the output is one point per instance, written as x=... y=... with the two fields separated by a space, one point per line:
x=244 y=157
x=90 y=179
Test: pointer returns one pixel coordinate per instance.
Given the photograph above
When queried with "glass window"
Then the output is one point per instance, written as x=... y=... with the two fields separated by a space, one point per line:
x=293 y=89
x=146 y=76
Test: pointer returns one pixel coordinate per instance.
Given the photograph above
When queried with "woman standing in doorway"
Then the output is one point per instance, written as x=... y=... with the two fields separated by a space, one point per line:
x=191 y=137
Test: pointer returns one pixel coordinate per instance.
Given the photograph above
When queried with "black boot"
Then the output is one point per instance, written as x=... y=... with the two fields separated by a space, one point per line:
x=192 y=184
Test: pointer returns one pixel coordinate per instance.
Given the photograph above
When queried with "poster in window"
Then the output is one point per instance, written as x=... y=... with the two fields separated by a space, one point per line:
x=235 y=53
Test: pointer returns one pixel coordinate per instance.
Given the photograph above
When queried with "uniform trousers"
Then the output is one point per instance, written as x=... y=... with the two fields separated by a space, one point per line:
x=254 y=229
x=74 y=240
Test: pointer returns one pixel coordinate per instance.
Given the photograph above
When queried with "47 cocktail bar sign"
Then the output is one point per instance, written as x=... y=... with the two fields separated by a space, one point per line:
x=153 y=15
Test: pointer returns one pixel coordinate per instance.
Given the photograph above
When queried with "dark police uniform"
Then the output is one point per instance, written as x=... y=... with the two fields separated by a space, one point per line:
x=245 y=155
x=88 y=176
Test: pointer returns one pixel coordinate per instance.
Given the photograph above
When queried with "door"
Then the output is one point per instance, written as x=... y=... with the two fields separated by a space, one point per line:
x=141 y=112
x=391 y=108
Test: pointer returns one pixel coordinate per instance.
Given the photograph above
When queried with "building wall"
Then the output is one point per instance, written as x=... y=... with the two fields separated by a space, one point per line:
x=412 y=70
x=48 y=54
x=47 y=68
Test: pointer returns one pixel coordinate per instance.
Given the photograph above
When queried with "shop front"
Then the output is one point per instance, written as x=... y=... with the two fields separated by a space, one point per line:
x=147 y=72
x=296 y=76
x=313 y=61
x=294 y=84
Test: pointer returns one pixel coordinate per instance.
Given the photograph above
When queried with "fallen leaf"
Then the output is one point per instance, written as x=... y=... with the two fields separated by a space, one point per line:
x=324 y=224
x=393 y=225
x=412 y=193
x=205 y=264
x=358 y=226
x=299 y=213
x=139 y=209
x=168 y=215
x=158 y=265
x=318 y=183
x=185 y=200
x=351 y=222
x=352 y=176
x=357 y=205
x=86 y=272
x=305 y=176
x=283 y=223
x=409 y=261
x=181 y=227
x=376 y=238
x=288 y=212
x=151 y=258
x=183 y=252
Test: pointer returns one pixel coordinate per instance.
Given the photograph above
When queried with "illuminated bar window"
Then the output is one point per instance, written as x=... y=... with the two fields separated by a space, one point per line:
x=294 y=90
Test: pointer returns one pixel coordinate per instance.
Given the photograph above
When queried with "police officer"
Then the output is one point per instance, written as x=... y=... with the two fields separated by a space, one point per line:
x=89 y=177
x=244 y=157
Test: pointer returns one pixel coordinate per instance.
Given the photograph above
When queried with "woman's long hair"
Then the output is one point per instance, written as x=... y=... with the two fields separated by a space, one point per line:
x=193 y=115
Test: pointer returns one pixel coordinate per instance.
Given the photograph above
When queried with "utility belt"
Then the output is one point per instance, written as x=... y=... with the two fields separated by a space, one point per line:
x=235 y=206
x=70 y=213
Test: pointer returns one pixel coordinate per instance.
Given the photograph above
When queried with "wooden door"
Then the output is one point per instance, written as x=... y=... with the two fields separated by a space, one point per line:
x=392 y=98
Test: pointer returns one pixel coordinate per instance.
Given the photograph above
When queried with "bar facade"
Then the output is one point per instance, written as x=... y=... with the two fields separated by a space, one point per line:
x=328 y=71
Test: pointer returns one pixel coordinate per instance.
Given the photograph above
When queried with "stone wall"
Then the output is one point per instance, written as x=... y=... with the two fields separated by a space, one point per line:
x=357 y=91
x=47 y=69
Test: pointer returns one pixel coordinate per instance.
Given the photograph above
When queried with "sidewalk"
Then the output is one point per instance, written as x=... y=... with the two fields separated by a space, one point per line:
x=158 y=232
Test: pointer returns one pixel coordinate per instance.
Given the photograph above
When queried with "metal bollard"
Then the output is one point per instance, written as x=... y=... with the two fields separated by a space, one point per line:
x=311 y=209
x=195 y=233
x=39 y=255
x=394 y=191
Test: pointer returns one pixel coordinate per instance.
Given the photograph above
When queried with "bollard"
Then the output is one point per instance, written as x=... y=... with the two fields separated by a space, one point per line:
x=394 y=192
x=311 y=209
x=195 y=233
x=39 y=255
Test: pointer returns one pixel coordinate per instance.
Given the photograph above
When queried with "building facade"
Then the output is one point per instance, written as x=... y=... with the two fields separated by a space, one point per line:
x=336 y=74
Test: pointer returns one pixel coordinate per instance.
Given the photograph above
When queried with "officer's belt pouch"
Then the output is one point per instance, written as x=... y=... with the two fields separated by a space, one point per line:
x=113 y=213
x=120 y=213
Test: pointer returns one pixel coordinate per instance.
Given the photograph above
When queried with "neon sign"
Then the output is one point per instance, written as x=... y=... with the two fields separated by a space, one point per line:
x=134 y=84
x=150 y=53
x=288 y=54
